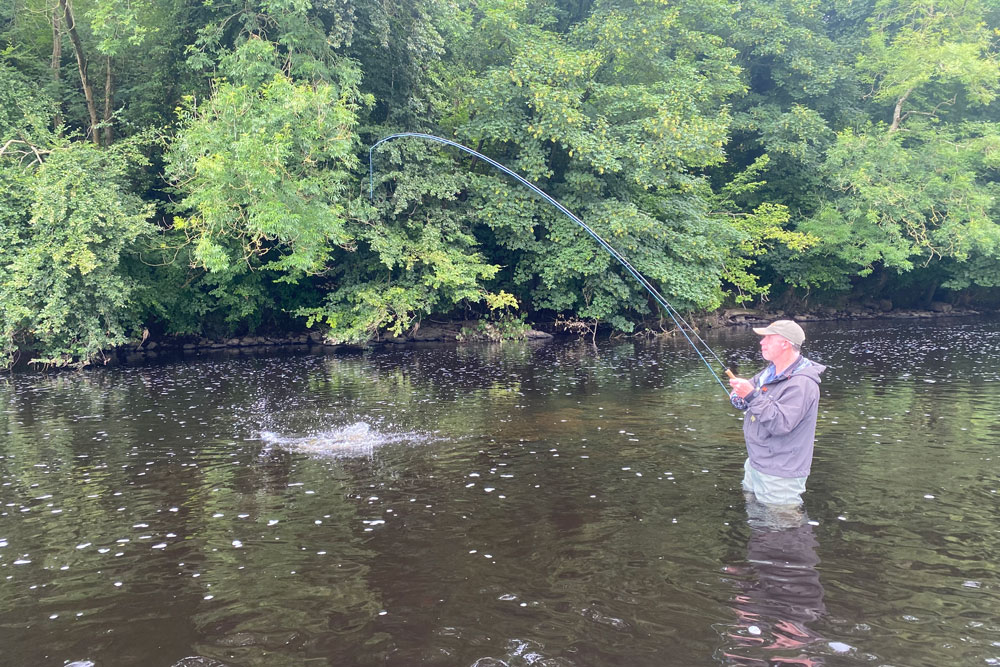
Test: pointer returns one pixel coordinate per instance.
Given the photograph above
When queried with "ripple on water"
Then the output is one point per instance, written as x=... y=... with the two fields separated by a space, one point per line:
x=522 y=653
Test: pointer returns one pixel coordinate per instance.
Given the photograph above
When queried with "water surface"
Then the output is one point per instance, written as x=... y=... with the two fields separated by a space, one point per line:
x=516 y=504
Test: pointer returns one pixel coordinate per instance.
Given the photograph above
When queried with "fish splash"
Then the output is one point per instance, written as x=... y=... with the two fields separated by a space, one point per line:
x=358 y=439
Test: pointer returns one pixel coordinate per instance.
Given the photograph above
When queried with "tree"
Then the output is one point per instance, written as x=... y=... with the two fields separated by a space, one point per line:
x=920 y=186
x=610 y=107
x=63 y=293
x=262 y=168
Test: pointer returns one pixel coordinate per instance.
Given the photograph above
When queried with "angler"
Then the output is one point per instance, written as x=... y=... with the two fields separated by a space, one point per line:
x=780 y=405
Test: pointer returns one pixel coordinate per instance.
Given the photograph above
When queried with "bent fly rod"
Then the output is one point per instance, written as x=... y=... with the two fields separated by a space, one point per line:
x=682 y=324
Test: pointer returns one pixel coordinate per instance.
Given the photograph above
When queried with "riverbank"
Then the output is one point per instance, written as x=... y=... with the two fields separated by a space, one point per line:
x=475 y=331
x=741 y=316
x=440 y=332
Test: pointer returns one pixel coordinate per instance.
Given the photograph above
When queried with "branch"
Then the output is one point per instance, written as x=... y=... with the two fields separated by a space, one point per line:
x=897 y=115
x=34 y=149
x=932 y=112
x=56 y=62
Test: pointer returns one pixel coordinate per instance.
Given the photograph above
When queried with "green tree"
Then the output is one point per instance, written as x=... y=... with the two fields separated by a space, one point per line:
x=920 y=186
x=263 y=166
x=63 y=293
x=722 y=147
x=797 y=63
x=611 y=108
x=260 y=168
x=416 y=256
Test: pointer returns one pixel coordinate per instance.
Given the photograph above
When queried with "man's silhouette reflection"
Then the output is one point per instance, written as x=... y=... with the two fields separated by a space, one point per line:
x=779 y=594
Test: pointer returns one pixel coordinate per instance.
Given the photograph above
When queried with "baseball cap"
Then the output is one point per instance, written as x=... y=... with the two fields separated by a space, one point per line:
x=785 y=328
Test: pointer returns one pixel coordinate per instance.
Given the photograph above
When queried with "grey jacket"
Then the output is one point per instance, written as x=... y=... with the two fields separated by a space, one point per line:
x=779 y=423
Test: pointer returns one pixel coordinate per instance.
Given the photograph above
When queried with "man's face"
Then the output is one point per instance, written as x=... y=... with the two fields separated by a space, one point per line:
x=772 y=346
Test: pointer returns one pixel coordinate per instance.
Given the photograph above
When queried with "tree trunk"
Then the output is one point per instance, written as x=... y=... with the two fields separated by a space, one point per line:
x=929 y=296
x=81 y=62
x=897 y=113
x=109 y=104
x=56 y=59
x=883 y=278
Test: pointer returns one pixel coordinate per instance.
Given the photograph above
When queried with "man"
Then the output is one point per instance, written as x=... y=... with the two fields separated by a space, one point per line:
x=780 y=405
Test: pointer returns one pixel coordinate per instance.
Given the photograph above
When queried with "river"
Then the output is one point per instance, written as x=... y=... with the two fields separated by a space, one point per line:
x=546 y=504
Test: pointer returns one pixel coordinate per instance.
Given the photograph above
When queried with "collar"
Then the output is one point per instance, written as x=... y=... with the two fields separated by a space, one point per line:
x=795 y=367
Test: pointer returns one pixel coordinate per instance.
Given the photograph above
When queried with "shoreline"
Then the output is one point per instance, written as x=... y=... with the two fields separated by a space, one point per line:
x=460 y=332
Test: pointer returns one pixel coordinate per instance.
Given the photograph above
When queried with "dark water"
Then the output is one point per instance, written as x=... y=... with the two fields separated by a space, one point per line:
x=553 y=504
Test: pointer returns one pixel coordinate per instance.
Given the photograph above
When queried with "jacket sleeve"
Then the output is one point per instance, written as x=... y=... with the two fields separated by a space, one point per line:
x=743 y=403
x=780 y=417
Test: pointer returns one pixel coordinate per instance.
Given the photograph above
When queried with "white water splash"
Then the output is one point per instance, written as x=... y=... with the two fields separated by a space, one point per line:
x=358 y=439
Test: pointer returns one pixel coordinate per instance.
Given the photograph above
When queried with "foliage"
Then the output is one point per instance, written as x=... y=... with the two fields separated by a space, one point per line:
x=922 y=188
x=414 y=261
x=262 y=170
x=918 y=53
x=795 y=59
x=609 y=120
x=263 y=165
x=24 y=114
x=763 y=228
x=62 y=290
x=907 y=202
x=731 y=151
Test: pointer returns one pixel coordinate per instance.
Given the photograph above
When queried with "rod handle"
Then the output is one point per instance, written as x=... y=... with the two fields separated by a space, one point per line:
x=730 y=374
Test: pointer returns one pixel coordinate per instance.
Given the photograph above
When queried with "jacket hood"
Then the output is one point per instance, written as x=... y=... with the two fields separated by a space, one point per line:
x=810 y=369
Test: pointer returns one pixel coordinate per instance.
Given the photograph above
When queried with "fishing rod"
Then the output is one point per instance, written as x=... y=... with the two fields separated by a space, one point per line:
x=685 y=328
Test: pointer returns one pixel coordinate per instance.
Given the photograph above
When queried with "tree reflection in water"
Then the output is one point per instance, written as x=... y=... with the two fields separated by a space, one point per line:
x=779 y=593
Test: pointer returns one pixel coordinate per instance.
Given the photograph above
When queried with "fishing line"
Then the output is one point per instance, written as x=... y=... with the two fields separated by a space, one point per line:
x=685 y=328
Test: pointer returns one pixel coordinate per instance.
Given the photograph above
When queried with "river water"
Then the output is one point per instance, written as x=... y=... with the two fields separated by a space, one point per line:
x=547 y=504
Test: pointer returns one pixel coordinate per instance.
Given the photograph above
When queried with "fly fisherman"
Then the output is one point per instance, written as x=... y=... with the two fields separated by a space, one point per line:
x=779 y=424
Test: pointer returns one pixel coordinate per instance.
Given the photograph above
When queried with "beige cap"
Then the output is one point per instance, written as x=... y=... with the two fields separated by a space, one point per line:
x=786 y=329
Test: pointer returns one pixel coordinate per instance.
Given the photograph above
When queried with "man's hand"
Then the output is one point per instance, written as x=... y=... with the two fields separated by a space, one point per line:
x=741 y=387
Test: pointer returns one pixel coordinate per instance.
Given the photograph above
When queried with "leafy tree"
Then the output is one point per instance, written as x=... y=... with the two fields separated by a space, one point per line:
x=921 y=185
x=796 y=60
x=764 y=228
x=611 y=109
x=403 y=49
x=410 y=259
x=62 y=289
x=262 y=169
x=263 y=166
x=797 y=63
x=722 y=147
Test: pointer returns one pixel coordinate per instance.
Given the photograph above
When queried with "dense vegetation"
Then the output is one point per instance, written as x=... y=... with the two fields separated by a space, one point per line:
x=200 y=166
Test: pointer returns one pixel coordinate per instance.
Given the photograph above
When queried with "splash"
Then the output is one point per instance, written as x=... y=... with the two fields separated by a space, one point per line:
x=358 y=439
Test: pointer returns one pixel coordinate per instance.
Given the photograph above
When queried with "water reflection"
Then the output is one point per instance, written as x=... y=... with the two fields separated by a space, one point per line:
x=779 y=593
x=289 y=578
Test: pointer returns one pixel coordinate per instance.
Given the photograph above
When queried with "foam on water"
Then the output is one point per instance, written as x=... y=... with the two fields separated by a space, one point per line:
x=358 y=439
